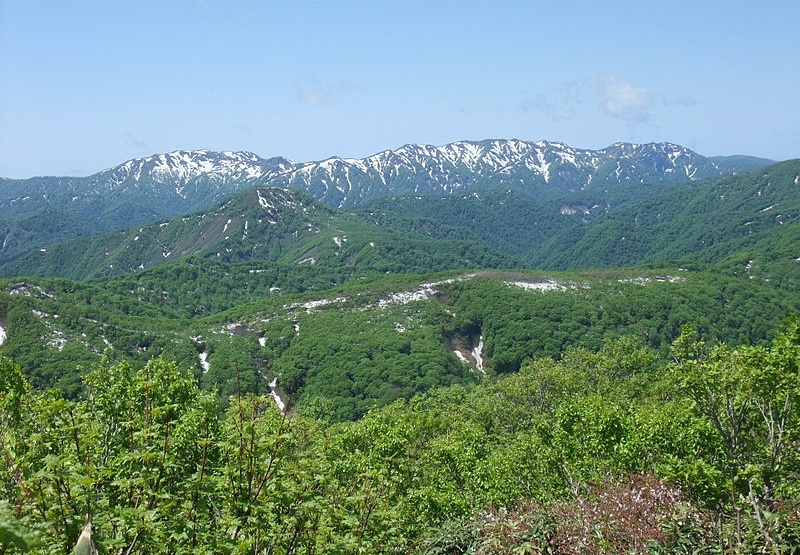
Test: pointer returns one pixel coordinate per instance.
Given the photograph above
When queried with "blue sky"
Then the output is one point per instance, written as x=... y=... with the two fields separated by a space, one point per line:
x=86 y=85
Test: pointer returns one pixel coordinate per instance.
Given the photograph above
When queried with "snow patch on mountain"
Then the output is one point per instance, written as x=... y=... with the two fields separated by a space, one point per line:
x=204 y=364
x=311 y=306
x=426 y=169
x=182 y=166
x=539 y=285
x=57 y=339
x=477 y=354
x=405 y=297
x=473 y=356
x=27 y=290
x=273 y=392
x=644 y=280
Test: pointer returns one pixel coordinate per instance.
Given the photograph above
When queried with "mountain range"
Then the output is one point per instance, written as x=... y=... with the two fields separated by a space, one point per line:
x=37 y=212
x=625 y=224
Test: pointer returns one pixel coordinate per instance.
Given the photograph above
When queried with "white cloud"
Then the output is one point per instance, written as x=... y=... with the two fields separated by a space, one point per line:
x=310 y=91
x=554 y=109
x=625 y=101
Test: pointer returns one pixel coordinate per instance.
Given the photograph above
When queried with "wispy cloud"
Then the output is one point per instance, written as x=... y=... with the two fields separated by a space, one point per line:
x=613 y=96
x=313 y=91
x=557 y=110
x=132 y=140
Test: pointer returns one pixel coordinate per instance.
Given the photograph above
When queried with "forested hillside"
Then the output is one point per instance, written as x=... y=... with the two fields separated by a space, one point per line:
x=370 y=340
x=756 y=213
x=266 y=226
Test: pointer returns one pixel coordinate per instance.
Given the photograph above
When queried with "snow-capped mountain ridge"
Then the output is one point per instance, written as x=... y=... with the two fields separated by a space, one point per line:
x=494 y=155
x=541 y=167
x=162 y=186
x=182 y=166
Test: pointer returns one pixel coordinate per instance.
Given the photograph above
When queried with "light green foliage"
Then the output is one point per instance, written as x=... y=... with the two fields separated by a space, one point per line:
x=750 y=396
x=15 y=535
x=533 y=460
x=126 y=456
x=13 y=390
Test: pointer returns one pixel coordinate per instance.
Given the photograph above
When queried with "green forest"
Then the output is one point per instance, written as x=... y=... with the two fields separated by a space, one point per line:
x=599 y=451
x=369 y=340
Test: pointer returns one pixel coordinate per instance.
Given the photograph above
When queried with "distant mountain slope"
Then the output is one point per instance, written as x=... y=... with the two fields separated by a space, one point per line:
x=37 y=212
x=44 y=210
x=740 y=164
x=508 y=221
x=613 y=226
x=183 y=180
x=744 y=212
x=266 y=225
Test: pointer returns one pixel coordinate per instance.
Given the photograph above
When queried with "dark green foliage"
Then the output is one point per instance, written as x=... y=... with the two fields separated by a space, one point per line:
x=508 y=221
x=378 y=357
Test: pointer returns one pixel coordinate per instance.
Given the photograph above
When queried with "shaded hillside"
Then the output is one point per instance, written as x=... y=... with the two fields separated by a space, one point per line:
x=508 y=221
x=263 y=225
x=753 y=212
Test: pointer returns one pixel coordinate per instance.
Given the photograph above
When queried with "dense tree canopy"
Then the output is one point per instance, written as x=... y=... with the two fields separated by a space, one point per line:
x=603 y=450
